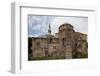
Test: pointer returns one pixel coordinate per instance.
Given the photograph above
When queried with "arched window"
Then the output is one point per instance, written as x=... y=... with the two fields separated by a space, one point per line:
x=50 y=40
x=38 y=43
x=54 y=47
x=63 y=41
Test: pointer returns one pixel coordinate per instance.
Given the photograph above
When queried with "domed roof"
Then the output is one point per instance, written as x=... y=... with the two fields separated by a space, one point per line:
x=65 y=25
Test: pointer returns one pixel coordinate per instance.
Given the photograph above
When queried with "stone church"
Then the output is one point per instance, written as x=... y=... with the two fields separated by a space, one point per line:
x=66 y=44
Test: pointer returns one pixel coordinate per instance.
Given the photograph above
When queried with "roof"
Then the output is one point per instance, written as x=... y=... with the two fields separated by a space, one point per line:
x=65 y=24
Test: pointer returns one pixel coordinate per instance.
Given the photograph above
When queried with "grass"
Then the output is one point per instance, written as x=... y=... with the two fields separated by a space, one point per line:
x=47 y=58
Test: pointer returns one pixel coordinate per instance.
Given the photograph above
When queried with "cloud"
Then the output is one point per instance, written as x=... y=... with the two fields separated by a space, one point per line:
x=38 y=25
x=80 y=24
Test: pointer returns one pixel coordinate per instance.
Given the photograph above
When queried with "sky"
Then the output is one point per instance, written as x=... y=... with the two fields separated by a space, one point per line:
x=38 y=24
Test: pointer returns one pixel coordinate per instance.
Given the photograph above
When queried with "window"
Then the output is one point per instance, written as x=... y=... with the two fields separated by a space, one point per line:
x=63 y=41
x=54 y=47
x=50 y=40
x=68 y=29
x=38 y=44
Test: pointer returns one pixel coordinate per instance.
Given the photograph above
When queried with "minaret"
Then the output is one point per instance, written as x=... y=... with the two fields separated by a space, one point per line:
x=49 y=35
x=49 y=30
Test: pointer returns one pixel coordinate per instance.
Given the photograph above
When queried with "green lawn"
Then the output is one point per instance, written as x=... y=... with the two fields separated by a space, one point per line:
x=47 y=58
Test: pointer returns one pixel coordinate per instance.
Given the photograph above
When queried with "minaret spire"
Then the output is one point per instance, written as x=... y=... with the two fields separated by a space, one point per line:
x=49 y=30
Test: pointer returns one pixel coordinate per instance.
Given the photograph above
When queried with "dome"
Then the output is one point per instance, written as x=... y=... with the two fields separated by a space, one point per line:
x=65 y=26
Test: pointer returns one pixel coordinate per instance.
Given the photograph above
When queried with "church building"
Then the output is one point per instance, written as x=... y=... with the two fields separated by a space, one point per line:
x=66 y=44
